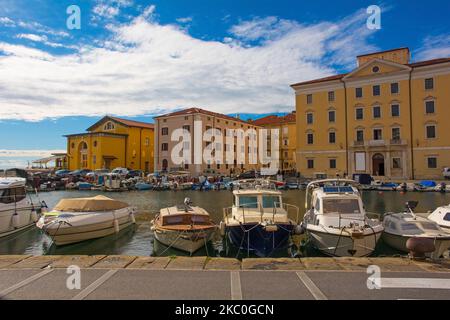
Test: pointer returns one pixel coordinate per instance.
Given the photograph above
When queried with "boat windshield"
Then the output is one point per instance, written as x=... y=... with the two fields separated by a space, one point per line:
x=271 y=202
x=342 y=206
x=429 y=226
x=248 y=202
x=447 y=216
x=410 y=227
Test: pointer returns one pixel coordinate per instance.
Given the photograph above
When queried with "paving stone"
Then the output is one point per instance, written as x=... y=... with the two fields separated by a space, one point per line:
x=38 y=262
x=114 y=262
x=272 y=264
x=149 y=263
x=350 y=263
x=434 y=266
x=6 y=260
x=395 y=264
x=187 y=263
x=77 y=260
x=320 y=264
x=223 y=264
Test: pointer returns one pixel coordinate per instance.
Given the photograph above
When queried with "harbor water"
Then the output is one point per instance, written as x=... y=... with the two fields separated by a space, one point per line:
x=139 y=240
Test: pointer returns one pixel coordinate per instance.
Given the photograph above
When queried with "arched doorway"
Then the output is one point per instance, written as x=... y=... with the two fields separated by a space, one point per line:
x=83 y=155
x=165 y=164
x=378 y=165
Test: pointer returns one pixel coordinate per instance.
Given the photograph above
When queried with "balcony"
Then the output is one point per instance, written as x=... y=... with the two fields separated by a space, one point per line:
x=398 y=142
x=376 y=143
x=380 y=143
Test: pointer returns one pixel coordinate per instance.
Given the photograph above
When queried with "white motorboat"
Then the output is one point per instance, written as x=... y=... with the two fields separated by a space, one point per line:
x=259 y=221
x=183 y=227
x=336 y=221
x=17 y=212
x=442 y=217
x=76 y=220
x=400 y=227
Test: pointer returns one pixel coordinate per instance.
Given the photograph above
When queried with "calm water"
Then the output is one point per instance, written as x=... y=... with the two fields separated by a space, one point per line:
x=139 y=240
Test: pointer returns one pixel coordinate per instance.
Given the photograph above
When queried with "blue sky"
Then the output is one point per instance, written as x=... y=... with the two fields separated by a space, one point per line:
x=136 y=58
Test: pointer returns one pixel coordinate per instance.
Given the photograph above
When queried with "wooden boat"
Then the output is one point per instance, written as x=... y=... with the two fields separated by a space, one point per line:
x=183 y=227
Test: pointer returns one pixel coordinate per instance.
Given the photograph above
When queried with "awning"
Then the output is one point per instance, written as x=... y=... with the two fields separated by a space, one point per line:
x=48 y=159
x=109 y=157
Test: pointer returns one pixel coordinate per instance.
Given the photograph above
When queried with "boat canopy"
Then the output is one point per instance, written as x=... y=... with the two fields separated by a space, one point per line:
x=427 y=183
x=95 y=204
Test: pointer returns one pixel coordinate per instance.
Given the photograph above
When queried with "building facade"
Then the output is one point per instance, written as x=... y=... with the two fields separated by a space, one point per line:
x=187 y=119
x=287 y=126
x=110 y=143
x=385 y=118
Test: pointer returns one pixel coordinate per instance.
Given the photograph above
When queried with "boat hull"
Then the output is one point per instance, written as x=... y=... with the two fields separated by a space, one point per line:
x=399 y=242
x=254 y=238
x=187 y=241
x=24 y=220
x=343 y=245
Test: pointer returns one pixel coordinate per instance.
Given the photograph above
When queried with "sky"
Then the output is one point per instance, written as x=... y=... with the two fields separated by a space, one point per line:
x=137 y=59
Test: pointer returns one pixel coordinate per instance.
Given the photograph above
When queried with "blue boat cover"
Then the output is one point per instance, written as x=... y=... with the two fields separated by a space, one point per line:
x=427 y=183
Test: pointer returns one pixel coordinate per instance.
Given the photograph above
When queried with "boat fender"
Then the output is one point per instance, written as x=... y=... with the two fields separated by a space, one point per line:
x=133 y=218
x=16 y=220
x=299 y=229
x=34 y=216
x=222 y=228
x=116 y=226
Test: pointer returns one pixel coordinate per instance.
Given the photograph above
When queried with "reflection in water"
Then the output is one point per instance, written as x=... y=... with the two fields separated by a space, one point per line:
x=138 y=240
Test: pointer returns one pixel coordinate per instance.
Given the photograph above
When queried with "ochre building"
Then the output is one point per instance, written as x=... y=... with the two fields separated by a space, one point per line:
x=387 y=118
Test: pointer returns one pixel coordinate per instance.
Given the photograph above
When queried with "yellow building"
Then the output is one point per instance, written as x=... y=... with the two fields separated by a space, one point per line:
x=287 y=127
x=113 y=142
x=385 y=118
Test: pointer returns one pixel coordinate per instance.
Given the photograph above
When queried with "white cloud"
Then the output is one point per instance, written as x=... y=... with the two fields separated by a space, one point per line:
x=38 y=38
x=21 y=158
x=434 y=47
x=149 y=68
x=184 y=20
x=106 y=11
x=7 y=22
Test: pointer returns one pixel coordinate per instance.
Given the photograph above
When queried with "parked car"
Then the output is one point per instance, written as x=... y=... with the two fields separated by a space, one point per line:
x=62 y=173
x=134 y=174
x=446 y=173
x=98 y=172
x=80 y=173
x=247 y=175
x=121 y=171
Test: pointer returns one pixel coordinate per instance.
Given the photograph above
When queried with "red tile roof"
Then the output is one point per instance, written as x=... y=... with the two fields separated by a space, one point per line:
x=203 y=111
x=273 y=119
x=128 y=123
x=385 y=51
x=340 y=76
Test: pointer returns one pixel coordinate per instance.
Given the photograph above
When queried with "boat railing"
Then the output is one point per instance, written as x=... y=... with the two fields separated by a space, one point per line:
x=284 y=208
x=287 y=208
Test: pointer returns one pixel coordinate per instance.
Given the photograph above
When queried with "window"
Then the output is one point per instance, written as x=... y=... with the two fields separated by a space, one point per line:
x=342 y=206
x=396 y=163
x=359 y=113
x=331 y=96
x=187 y=127
x=429 y=84
x=375 y=69
x=147 y=142
x=109 y=126
x=271 y=202
x=310 y=164
x=377 y=112
x=332 y=116
x=218 y=166
x=360 y=135
x=332 y=137
x=72 y=145
x=429 y=107
x=248 y=202
x=376 y=90
x=394 y=88
x=432 y=162
x=332 y=163
x=377 y=134
x=164 y=147
x=309 y=99
x=309 y=118
x=395 y=110
x=396 y=134
x=164 y=131
x=431 y=131
x=186 y=118
x=310 y=138
x=359 y=92
x=13 y=195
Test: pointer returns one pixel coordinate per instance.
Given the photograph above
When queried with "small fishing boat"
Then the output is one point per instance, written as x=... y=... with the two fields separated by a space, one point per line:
x=259 y=221
x=183 y=227
x=113 y=183
x=400 y=227
x=76 y=220
x=442 y=217
x=143 y=186
x=17 y=213
x=336 y=222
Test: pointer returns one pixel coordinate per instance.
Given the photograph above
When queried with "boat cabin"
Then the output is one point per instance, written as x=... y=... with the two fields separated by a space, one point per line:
x=184 y=215
x=12 y=190
x=409 y=224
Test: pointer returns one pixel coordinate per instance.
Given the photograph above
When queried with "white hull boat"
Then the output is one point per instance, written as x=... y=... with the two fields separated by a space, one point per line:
x=336 y=222
x=186 y=228
x=400 y=227
x=17 y=213
x=77 y=220
x=442 y=217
